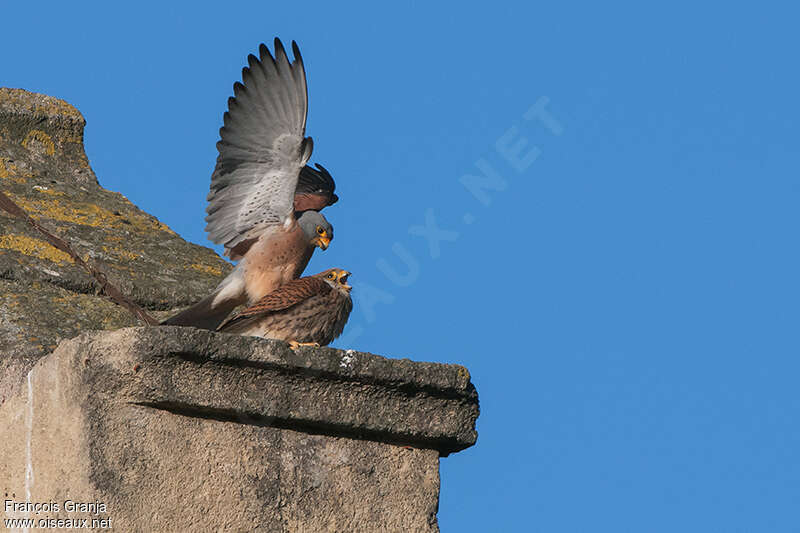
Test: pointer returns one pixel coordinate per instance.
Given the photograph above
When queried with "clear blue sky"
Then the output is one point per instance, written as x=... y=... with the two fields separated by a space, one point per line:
x=627 y=304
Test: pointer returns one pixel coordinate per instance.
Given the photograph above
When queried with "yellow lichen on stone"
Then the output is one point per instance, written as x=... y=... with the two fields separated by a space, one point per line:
x=42 y=137
x=207 y=269
x=10 y=300
x=75 y=139
x=33 y=247
x=8 y=171
x=79 y=154
x=83 y=161
x=48 y=190
x=87 y=214
x=122 y=253
x=59 y=299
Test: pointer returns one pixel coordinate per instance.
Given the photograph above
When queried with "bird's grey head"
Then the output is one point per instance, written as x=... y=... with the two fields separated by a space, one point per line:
x=316 y=228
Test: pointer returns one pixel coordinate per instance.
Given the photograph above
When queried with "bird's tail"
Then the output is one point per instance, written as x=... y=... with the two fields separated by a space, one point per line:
x=209 y=312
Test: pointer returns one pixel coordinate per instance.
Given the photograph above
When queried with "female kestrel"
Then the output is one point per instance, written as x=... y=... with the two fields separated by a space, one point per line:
x=264 y=200
x=309 y=310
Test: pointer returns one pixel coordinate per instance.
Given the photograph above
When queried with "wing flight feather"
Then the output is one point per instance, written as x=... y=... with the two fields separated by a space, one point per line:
x=262 y=148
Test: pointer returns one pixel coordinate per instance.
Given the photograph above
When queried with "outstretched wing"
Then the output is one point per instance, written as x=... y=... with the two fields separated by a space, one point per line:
x=262 y=148
x=314 y=189
x=284 y=297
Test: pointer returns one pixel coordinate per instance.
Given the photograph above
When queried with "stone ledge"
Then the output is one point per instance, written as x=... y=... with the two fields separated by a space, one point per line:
x=262 y=382
x=177 y=429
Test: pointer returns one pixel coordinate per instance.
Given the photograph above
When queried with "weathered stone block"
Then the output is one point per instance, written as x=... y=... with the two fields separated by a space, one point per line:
x=177 y=429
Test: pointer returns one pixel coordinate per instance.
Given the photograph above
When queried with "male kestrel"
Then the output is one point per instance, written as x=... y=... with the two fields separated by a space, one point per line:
x=309 y=310
x=264 y=200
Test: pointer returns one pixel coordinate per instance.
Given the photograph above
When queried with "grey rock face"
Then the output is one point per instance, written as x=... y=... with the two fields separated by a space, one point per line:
x=45 y=297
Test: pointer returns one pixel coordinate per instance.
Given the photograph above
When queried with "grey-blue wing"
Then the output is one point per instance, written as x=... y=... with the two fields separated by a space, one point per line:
x=262 y=148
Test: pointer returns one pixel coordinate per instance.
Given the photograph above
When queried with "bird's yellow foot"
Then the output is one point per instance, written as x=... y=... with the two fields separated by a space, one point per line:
x=294 y=344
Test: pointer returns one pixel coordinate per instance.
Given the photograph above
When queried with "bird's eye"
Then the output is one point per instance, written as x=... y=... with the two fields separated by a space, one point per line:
x=320 y=230
x=331 y=275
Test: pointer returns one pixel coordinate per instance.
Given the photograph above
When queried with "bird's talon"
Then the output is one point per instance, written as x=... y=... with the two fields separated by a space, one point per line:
x=294 y=345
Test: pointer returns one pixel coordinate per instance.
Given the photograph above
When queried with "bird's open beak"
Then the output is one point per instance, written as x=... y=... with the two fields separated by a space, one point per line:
x=322 y=242
x=343 y=280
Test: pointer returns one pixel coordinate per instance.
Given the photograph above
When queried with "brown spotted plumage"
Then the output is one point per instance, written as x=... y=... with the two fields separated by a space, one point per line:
x=309 y=310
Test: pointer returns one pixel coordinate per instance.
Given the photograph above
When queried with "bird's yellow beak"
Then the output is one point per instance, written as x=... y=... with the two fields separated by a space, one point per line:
x=343 y=279
x=322 y=241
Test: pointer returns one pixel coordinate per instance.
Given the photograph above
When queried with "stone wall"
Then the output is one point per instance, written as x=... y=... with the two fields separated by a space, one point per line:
x=178 y=429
